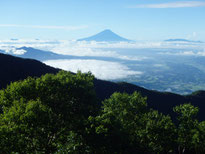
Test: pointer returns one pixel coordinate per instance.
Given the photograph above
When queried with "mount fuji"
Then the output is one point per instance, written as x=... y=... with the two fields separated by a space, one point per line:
x=105 y=36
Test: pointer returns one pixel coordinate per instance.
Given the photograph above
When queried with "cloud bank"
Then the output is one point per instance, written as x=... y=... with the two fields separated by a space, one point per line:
x=15 y=51
x=101 y=69
x=99 y=49
x=182 y=4
x=184 y=53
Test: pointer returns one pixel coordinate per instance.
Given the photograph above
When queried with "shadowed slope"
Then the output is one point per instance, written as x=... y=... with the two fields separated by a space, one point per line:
x=13 y=69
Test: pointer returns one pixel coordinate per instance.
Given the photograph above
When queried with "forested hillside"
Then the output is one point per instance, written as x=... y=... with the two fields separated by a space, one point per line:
x=14 y=69
x=61 y=114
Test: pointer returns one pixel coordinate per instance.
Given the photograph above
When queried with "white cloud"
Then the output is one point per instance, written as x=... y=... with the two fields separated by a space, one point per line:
x=13 y=50
x=77 y=48
x=159 y=65
x=65 y=46
x=101 y=69
x=182 y=4
x=168 y=90
x=99 y=49
x=18 y=51
x=70 y=28
x=184 y=53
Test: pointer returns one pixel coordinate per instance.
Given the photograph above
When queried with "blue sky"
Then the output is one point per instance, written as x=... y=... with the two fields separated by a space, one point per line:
x=74 y=19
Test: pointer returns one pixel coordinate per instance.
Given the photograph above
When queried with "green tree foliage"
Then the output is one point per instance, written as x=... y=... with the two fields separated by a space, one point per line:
x=158 y=133
x=126 y=125
x=190 y=131
x=117 y=122
x=40 y=114
x=60 y=114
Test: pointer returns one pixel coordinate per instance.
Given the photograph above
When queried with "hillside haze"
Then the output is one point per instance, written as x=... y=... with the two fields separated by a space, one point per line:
x=105 y=36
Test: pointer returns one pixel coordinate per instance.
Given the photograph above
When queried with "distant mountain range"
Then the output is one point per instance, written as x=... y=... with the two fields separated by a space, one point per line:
x=105 y=36
x=37 y=54
x=182 y=40
x=14 y=69
x=41 y=55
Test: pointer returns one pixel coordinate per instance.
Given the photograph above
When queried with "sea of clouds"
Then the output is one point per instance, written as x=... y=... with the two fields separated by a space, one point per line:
x=83 y=48
x=100 y=68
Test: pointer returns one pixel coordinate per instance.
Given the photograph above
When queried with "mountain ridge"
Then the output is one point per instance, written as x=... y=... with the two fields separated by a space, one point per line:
x=42 y=55
x=15 y=68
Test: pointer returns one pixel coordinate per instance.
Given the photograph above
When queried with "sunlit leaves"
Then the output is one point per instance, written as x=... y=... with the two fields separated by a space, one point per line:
x=38 y=114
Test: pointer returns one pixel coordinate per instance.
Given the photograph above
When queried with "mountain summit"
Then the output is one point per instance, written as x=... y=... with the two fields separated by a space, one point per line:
x=105 y=36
